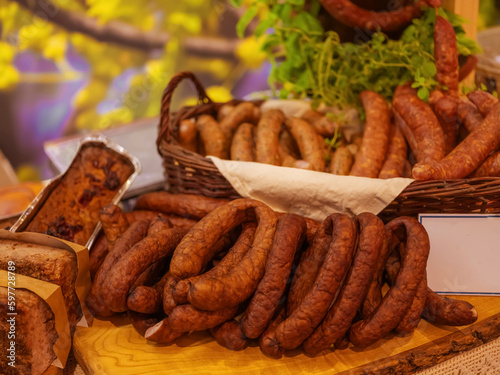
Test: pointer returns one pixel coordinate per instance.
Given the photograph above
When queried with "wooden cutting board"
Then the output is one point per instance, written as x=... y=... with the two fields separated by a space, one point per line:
x=114 y=347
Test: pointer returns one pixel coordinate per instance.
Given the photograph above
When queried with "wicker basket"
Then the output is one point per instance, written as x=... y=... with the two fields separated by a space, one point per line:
x=189 y=172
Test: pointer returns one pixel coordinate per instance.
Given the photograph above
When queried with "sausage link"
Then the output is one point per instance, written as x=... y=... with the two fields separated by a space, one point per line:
x=159 y=224
x=243 y=112
x=122 y=276
x=147 y=299
x=446 y=113
x=233 y=257
x=469 y=115
x=354 y=16
x=185 y=205
x=114 y=223
x=371 y=155
x=162 y=333
x=268 y=342
x=306 y=317
x=239 y=283
x=490 y=167
x=483 y=100
x=395 y=156
x=400 y=296
x=188 y=135
x=290 y=233
x=307 y=141
x=321 y=123
x=468 y=155
x=243 y=145
x=97 y=254
x=446 y=55
x=229 y=335
x=451 y=312
x=267 y=143
x=186 y=318
x=424 y=126
x=412 y=317
x=142 y=322
x=134 y=233
x=212 y=137
x=339 y=317
x=342 y=161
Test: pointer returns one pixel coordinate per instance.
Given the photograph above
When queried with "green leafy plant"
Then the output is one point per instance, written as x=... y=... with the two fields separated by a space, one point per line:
x=310 y=62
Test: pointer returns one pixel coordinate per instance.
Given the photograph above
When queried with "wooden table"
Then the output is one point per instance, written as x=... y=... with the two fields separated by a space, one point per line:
x=114 y=347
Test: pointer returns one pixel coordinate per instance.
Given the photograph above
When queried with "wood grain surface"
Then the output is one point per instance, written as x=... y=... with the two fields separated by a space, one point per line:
x=113 y=347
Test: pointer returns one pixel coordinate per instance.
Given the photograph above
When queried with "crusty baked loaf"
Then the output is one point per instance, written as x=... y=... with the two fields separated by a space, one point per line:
x=35 y=334
x=71 y=212
x=56 y=266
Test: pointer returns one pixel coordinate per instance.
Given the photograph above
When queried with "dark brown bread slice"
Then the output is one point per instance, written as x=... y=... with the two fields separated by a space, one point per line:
x=56 y=266
x=35 y=334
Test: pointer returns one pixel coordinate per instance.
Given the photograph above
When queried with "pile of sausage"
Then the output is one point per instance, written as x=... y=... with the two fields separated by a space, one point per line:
x=183 y=263
x=450 y=137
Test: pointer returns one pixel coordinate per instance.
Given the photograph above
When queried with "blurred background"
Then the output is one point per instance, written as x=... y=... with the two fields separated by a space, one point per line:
x=74 y=66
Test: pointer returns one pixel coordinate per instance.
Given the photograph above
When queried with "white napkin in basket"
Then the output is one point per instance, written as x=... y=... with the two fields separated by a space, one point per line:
x=308 y=193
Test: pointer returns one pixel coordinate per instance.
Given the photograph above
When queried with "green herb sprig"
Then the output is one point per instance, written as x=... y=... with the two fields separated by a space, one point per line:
x=309 y=62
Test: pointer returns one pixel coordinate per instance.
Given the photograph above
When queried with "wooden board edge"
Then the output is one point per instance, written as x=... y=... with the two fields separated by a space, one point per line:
x=434 y=352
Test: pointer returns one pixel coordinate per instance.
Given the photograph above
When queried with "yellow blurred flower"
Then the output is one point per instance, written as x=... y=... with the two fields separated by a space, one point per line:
x=55 y=49
x=190 y=22
x=90 y=96
x=27 y=172
x=7 y=52
x=250 y=53
x=9 y=76
x=87 y=120
x=219 y=93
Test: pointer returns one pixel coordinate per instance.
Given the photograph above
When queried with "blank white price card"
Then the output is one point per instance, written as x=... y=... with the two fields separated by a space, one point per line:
x=465 y=253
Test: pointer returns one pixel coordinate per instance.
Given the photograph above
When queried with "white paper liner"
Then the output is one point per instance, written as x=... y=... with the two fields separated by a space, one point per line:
x=308 y=193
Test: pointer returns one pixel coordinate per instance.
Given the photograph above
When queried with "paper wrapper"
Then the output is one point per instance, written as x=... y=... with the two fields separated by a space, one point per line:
x=82 y=282
x=52 y=295
x=308 y=193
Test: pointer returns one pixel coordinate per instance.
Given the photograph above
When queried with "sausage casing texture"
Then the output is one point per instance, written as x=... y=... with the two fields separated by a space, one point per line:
x=134 y=233
x=229 y=335
x=142 y=322
x=301 y=323
x=483 y=100
x=399 y=298
x=184 y=205
x=162 y=333
x=147 y=299
x=468 y=155
x=239 y=283
x=114 y=223
x=321 y=123
x=354 y=16
x=243 y=112
x=212 y=137
x=188 y=134
x=267 y=143
x=446 y=113
x=342 y=161
x=196 y=248
x=451 y=312
x=159 y=224
x=290 y=233
x=233 y=256
x=469 y=115
x=339 y=317
x=371 y=155
x=97 y=254
x=424 y=125
x=395 y=157
x=307 y=269
x=307 y=141
x=446 y=55
x=490 y=167
x=268 y=342
x=186 y=318
x=412 y=317
x=117 y=285
x=243 y=145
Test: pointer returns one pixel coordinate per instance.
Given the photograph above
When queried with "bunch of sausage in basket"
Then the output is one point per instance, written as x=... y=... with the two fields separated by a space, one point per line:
x=245 y=272
x=451 y=137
